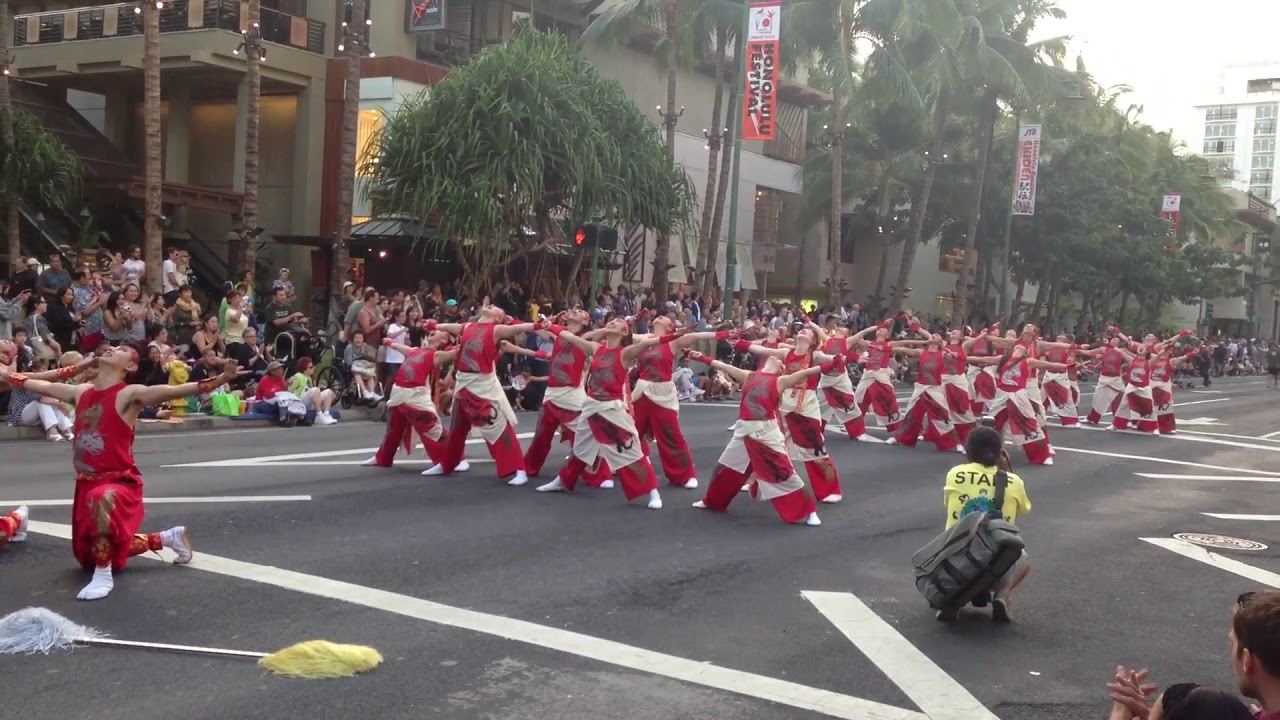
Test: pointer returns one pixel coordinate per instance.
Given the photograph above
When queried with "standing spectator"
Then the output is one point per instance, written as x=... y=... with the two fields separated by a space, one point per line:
x=186 y=316
x=284 y=283
x=63 y=319
x=236 y=318
x=169 y=278
x=53 y=279
x=370 y=320
x=38 y=334
x=26 y=277
x=89 y=302
x=280 y=315
x=397 y=332
x=12 y=313
x=135 y=268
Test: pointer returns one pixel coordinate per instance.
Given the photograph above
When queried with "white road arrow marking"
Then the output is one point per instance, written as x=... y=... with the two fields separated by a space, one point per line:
x=1258 y=518
x=1224 y=478
x=1195 y=552
x=1201 y=421
x=928 y=686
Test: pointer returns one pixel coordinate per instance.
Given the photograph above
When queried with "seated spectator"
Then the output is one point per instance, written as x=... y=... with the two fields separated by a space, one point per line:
x=688 y=387
x=160 y=341
x=151 y=368
x=26 y=357
x=251 y=355
x=313 y=398
x=206 y=335
x=29 y=410
x=185 y=316
x=971 y=488
x=360 y=358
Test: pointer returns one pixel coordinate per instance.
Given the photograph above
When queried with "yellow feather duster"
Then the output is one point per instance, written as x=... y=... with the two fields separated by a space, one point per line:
x=319 y=659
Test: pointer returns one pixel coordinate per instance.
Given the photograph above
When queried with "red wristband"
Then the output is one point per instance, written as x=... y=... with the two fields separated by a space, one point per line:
x=668 y=339
x=555 y=330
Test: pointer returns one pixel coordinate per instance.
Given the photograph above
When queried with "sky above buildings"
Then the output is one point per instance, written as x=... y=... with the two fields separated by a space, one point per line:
x=1170 y=51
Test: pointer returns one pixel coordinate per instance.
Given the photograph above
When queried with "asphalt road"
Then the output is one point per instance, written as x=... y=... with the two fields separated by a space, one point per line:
x=496 y=603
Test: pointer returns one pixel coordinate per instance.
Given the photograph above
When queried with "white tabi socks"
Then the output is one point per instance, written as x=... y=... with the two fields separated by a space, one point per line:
x=520 y=479
x=812 y=520
x=655 y=500
x=20 y=534
x=100 y=586
x=691 y=484
x=438 y=469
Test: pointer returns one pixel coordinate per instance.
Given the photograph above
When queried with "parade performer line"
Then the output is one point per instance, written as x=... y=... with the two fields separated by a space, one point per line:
x=696 y=672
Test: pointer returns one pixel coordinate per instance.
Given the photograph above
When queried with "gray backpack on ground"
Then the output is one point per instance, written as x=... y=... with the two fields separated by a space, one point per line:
x=969 y=558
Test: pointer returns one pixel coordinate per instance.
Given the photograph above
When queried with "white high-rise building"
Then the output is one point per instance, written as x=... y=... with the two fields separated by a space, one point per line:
x=1239 y=129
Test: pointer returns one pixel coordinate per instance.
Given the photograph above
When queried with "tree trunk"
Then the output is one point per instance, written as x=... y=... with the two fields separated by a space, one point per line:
x=726 y=157
x=252 y=122
x=1042 y=295
x=662 y=247
x=713 y=157
x=14 y=231
x=961 y=309
x=1015 y=312
x=153 y=234
x=921 y=206
x=834 y=234
x=347 y=167
x=1124 y=307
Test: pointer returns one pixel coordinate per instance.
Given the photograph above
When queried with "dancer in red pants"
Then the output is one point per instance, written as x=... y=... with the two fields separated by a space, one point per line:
x=410 y=406
x=1014 y=411
x=757 y=455
x=955 y=384
x=982 y=378
x=802 y=422
x=13 y=527
x=108 y=506
x=837 y=402
x=563 y=399
x=927 y=410
x=1062 y=390
x=875 y=392
x=479 y=400
x=606 y=431
x=1110 y=387
x=1035 y=350
x=1136 y=405
x=657 y=408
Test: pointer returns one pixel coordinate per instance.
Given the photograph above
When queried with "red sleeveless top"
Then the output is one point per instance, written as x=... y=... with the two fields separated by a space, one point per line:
x=760 y=397
x=1014 y=377
x=930 y=368
x=1139 y=372
x=568 y=365
x=836 y=346
x=1112 y=363
x=1033 y=348
x=879 y=354
x=955 y=361
x=762 y=359
x=657 y=363
x=608 y=378
x=795 y=362
x=417 y=369
x=1162 y=370
x=982 y=348
x=104 y=439
x=1063 y=356
x=477 y=351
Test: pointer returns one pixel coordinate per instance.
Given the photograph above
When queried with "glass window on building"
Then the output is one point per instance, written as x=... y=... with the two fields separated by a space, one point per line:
x=1264 y=127
x=1219 y=147
x=1262 y=191
x=1220 y=130
x=1260 y=177
x=1264 y=162
x=1220 y=113
x=1264 y=144
x=1267 y=111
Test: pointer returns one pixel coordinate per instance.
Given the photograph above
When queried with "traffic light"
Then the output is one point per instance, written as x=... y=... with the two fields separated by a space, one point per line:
x=592 y=235
x=1208 y=311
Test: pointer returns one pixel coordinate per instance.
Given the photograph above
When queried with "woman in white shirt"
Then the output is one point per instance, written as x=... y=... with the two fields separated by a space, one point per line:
x=397 y=332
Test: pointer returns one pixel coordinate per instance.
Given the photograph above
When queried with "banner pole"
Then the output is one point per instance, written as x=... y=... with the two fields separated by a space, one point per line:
x=1005 y=298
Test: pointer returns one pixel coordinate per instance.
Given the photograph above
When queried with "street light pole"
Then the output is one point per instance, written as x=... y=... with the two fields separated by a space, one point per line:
x=735 y=127
x=1005 y=300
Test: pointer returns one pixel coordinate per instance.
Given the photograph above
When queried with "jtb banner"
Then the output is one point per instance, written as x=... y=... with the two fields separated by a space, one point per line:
x=1024 y=193
x=760 y=96
x=1171 y=209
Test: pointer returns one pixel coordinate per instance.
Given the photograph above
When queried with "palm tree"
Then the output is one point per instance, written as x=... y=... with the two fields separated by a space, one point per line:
x=252 y=123
x=710 y=197
x=6 y=133
x=153 y=237
x=45 y=171
x=354 y=46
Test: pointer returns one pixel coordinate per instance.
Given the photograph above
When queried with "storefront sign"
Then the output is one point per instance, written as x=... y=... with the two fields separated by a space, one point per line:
x=423 y=15
x=760 y=96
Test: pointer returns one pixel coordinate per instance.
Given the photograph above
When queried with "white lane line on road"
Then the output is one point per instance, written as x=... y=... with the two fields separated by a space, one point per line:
x=1121 y=456
x=172 y=500
x=1251 y=518
x=607 y=651
x=243 y=462
x=919 y=678
x=1223 y=478
x=1195 y=552
x=1268 y=436
x=1201 y=402
x=1198 y=437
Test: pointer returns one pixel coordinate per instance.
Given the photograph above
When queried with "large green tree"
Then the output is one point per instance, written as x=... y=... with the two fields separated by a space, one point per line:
x=526 y=135
x=39 y=168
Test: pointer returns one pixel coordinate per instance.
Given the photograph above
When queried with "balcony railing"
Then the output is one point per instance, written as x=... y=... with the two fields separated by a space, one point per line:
x=121 y=20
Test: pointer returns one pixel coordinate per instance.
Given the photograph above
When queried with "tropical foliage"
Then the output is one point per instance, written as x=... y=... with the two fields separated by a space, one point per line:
x=39 y=168
x=527 y=136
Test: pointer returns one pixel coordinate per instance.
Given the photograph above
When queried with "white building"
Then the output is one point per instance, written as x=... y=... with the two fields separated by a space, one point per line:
x=1239 y=128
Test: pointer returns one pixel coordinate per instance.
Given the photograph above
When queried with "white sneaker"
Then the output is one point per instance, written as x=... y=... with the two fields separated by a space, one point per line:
x=438 y=469
x=553 y=486
x=700 y=505
x=325 y=418
x=606 y=485
x=371 y=462
x=1047 y=461
x=891 y=441
x=691 y=484
x=832 y=498
x=960 y=449
x=521 y=478
x=20 y=534
x=179 y=541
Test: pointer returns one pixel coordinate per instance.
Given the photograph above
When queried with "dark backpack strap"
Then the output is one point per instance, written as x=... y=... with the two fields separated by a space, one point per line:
x=1002 y=482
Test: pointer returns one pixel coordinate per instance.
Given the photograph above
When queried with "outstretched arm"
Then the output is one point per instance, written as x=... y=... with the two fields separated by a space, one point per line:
x=634 y=349
x=149 y=396
x=756 y=349
x=44 y=388
x=454 y=329
x=690 y=338
x=399 y=347
x=737 y=373
x=835 y=364
x=587 y=346
x=1050 y=366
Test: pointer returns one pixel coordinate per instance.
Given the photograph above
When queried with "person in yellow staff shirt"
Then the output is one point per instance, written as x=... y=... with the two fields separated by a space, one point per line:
x=971 y=487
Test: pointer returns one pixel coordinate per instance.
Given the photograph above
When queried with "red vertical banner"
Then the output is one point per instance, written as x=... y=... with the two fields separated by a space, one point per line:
x=760 y=93
x=1171 y=209
x=1024 y=193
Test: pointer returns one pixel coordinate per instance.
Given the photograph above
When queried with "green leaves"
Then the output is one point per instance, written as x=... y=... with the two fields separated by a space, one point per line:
x=40 y=166
x=526 y=134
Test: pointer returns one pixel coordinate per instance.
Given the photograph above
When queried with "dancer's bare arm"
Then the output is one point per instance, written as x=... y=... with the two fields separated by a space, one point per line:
x=44 y=388
x=506 y=332
x=690 y=338
x=1050 y=366
x=509 y=347
x=633 y=350
x=756 y=349
x=835 y=364
x=737 y=373
x=400 y=347
x=587 y=346
x=454 y=329
x=152 y=395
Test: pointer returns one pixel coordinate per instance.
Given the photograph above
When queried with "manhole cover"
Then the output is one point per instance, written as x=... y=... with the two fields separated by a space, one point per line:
x=1221 y=542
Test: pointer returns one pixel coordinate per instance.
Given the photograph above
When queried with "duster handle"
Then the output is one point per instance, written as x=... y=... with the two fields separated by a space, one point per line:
x=190 y=649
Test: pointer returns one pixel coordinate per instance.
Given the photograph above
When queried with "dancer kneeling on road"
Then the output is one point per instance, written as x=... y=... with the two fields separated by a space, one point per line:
x=757 y=453
x=605 y=431
x=971 y=488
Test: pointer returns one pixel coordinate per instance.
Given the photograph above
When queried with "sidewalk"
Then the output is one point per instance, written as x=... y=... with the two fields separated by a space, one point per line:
x=190 y=423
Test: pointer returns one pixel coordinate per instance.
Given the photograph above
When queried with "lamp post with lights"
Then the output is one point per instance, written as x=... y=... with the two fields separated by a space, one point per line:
x=355 y=42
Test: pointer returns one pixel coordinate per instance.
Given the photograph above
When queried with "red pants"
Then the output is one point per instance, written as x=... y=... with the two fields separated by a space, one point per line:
x=471 y=410
x=9 y=525
x=1165 y=420
x=551 y=418
x=1037 y=450
x=663 y=425
x=401 y=424
x=984 y=391
x=637 y=479
x=856 y=428
x=809 y=433
x=105 y=521
x=926 y=414
x=726 y=483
